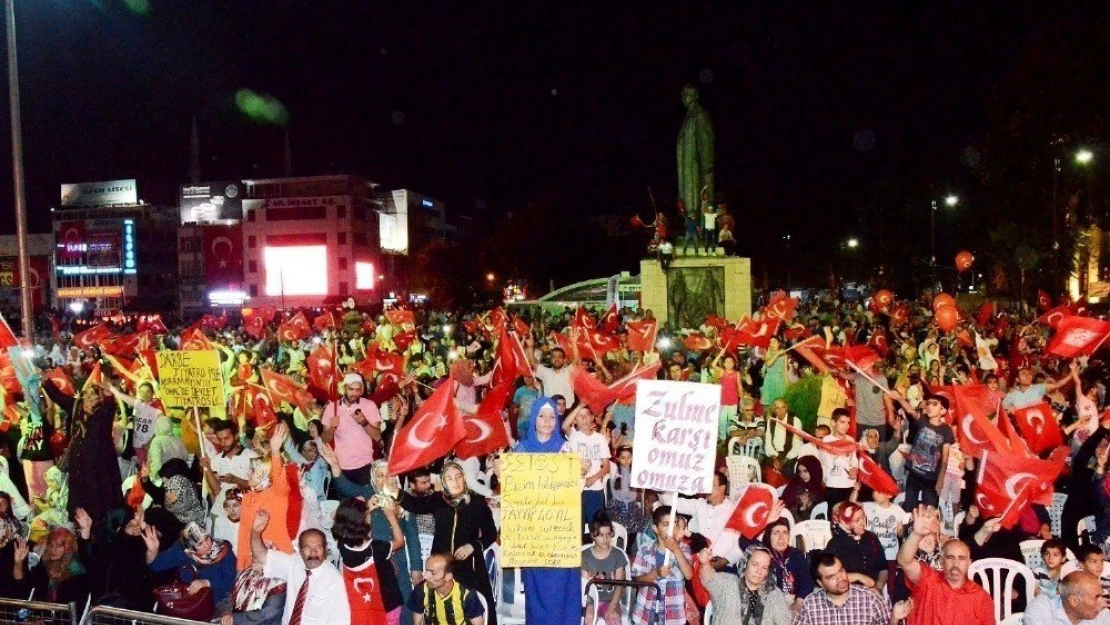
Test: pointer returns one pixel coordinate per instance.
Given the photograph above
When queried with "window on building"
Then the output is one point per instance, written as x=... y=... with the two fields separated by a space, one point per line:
x=250 y=241
x=342 y=238
x=342 y=264
x=343 y=288
x=341 y=212
x=250 y=215
x=252 y=266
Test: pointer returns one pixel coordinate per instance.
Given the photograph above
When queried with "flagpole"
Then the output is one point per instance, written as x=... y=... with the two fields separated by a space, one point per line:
x=889 y=392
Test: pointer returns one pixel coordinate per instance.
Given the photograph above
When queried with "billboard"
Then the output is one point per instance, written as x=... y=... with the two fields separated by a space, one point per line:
x=212 y=201
x=296 y=270
x=105 y=193
x=393 y=223
x=96 y=246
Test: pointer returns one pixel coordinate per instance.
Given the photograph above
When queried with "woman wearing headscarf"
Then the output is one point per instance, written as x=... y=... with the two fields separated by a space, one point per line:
x=10 y=530
x=214 y=560
x=463 y=527
x=165 y=445
x=385 y=489
x=789 y=566
x=858 y=549
x=91 y=453
x=806 y=487
x=750 y=599
x=59 y=576
x=177 y=494
x=121 y=577
x=552 y=594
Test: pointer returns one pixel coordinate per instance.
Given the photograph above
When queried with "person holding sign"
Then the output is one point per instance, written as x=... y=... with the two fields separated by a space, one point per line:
x=552 y=594
x=667 y=563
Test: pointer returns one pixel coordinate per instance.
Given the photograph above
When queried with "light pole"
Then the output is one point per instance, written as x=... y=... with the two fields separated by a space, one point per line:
x=17 y=175
x=950 y=200
x=1084 y=157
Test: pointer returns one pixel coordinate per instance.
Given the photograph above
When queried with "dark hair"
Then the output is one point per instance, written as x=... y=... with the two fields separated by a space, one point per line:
x=661 y=513
x=624 y=448
x=8 y=498
x=601 y=519
x=351 y=525
x=818 y=560
x=722 y=476
x=148 y=385
x=840 y=412
x=172 y=467
x=419 y=472
x=560 y=350
x=1054 y=543
x=942 y=400
x=1086 y=551
x=226 y=424
x=448 y=561
x=314 y=532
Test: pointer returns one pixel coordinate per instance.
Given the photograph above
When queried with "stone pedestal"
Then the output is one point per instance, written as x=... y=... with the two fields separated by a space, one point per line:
x=693 y=287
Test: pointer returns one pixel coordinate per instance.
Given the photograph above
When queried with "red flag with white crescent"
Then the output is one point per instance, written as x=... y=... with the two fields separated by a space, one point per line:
x=485 y=429
x=752 y=512
x=610 y=321
x=7 y=336
x=1044 y=302
x=323 y=373
x=283 y=388
x=1078 y=336
x=61 y=380
x=1052 y=318
x=1005 y=475
x=1038 y=426
x=430 y=434
x=874 y=477
x=92 y=336
x=641 y=335
x=782 y=309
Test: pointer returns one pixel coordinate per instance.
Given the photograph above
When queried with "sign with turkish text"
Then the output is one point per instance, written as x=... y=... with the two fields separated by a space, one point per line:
x=541 y=510
x=675 y=447
x=190 y=379
x=80 y=292
x=104 y=193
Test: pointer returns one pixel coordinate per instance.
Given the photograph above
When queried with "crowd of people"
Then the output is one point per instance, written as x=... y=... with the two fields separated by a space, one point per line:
x=918 y=449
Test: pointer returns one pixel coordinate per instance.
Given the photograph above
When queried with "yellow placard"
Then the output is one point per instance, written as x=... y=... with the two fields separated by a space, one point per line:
x=190 y=379
x=541 y=510
x=71 y=292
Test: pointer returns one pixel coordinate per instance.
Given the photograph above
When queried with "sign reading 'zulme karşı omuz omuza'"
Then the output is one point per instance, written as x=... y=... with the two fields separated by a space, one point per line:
x=675 y=446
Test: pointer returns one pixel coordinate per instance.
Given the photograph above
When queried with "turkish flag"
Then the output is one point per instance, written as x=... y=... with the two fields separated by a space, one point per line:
x=195 y=341
x=255 y=326
x=986 y=311
x=713 y=321
x=267 y=314
x=283 y=389
x=520 y=327
x=795 y=332
x=641 y=335
x=126 y=346
x=70 y=236
x=92 y=336
x=293 y=332
x=1078 y=336
x=842 y=447
x=837 y=358
x=485 y=429
x=497 y=318
x=697 y=343
x=782 y=309
x=1044 y=302
x=900 y=314
x=624 y=389
x=610 y=321
x=212 y=322
x=974 y=429
x=1006 y=426
x=595 y=394
x=152 y=324
x=223 y=256
x=1004 y=475
x=1080 y=307
x=400 y=317
x=878 y=342
x=300 y=322
x=752 y=511
x=404 y=339
x=512 y=360
x=388 y=363
x=873 y=476
x=61 y=380
x=7 y=336
x=599 y=343
x=1039 y=427
x=1052 y=318
x=430 y=434
x=583 y=319
x=329 y=320
x=758 y=333
x=322 y=372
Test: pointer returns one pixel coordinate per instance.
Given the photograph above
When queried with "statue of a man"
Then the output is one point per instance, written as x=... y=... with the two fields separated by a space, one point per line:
x=695 y=153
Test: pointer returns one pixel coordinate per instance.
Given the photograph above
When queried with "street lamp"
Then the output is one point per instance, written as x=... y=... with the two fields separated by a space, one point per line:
x=1084 y=156
x=17 y=175
x=950 y=200
x=490 y=277
x=853 y=243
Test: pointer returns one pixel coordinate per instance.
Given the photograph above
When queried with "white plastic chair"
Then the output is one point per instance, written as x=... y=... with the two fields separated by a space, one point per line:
x=590 y=596
x=956 y=522
x=492 y=556
x=814 y=534
x=1085 y=528
x=1031 y=552
x=1013 y=619
x=998 y=576
x=742 y=470
x=754 y=447
x=708 y=618
x=779 y=491
x=620 y=535
x=820 y=512
x=1056 y=512
x=626 y=596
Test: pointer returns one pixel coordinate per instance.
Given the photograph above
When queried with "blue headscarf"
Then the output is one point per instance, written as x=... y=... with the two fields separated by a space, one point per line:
x=531 y=443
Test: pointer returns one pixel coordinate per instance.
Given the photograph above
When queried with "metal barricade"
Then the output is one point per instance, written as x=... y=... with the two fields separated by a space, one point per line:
x=632 y=587
x=103 y=615
x=37 y=612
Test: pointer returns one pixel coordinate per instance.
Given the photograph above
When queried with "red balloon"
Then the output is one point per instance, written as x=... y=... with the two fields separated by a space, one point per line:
x=964 y=261
x=942 y=300
x=947 y=317
x=884 y=298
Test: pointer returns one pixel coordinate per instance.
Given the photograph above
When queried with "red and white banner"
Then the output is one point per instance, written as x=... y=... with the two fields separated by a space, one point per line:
x=223 y=257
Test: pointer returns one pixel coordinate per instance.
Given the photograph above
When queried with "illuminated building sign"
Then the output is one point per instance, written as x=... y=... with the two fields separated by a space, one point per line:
x=76 y=292
x=296 y=270
x=100 y=193
x=364 y=276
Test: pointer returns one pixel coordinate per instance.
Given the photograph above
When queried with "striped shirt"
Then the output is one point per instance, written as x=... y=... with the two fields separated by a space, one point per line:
x=457 y=608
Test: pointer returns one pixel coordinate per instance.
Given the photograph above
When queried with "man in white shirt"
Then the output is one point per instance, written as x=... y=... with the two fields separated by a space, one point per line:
x=227 y=467
x=709 y=517
x=315 y=591
x=558 y=379
x=778 y=442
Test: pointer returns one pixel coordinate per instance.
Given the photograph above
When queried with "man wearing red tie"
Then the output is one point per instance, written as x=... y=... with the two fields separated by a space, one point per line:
x=316 y=593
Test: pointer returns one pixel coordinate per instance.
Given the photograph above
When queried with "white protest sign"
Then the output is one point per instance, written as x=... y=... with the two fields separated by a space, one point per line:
x=675 y=448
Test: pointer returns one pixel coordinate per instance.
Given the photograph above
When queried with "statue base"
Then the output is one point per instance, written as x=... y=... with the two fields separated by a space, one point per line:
x=692 y=287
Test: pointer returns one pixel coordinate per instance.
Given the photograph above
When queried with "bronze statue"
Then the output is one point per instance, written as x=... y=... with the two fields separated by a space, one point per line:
x=695 y=154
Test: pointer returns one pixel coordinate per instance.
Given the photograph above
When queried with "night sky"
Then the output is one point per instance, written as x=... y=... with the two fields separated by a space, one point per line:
x=490 y=106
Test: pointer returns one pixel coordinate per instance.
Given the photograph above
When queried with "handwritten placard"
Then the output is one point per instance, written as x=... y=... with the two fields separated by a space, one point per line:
x=190 y=379
x=541 y=510
x=675 y=448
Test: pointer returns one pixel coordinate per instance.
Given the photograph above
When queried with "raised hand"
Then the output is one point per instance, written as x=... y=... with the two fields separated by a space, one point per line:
x=84 y=522
x=261 y=520
x=21 y=550
x=150 y=538
x=926 y=520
